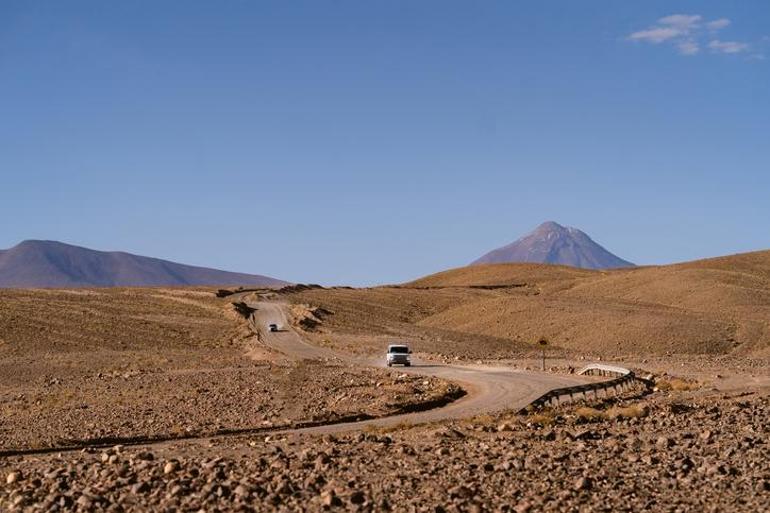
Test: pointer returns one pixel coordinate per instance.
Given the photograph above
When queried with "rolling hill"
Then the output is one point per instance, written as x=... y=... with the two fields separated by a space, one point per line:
x=51 y=264
x=707 y=306
x=717 y=306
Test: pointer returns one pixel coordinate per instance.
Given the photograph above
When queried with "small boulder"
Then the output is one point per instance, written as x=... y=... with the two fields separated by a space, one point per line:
x=357 y=497
x=584 y=483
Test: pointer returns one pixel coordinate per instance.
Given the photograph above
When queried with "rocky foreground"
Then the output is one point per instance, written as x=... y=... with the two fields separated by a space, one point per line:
x=145 y=406
x=670 y=453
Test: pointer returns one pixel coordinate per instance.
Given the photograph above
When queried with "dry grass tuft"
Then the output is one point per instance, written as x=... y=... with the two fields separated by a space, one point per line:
x=382 y=430
x=629 y=412
x=483 y=420
x=586 y=414
x=542 y=419
x=635 y=411
x=677 y=385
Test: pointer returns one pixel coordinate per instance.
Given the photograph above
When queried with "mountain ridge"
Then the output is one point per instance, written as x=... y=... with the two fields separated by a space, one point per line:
x=552 y=243
x=54 y=264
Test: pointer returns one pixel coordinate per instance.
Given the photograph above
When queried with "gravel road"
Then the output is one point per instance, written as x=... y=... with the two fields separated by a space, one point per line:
x=490 y=389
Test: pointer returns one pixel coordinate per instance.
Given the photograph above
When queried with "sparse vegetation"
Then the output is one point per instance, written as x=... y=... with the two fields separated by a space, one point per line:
x=634 y=411
x=587 y=414
x=400 y=426
x=483 y=420
x=543 y=418
x=676 y=385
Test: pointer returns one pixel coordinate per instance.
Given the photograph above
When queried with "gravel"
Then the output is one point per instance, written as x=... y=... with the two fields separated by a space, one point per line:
x=661 y=462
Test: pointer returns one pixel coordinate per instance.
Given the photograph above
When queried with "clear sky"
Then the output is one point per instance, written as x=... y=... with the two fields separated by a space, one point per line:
x=362 y=142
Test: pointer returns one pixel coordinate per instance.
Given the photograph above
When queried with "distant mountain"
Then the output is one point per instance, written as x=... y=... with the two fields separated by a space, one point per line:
x=552 y=243
x=37 y=263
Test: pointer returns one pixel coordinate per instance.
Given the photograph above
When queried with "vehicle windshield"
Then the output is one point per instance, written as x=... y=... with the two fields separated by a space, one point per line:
x=398 y=349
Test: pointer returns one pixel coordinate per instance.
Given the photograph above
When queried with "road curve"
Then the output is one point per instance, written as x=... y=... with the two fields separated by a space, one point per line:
x=489 y=389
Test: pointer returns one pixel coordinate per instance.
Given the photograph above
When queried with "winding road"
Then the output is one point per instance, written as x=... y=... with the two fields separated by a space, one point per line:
x=489 y=389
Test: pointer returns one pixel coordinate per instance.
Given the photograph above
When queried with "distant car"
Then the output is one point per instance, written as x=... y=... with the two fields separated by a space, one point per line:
x=273 y=327
x=398 y=353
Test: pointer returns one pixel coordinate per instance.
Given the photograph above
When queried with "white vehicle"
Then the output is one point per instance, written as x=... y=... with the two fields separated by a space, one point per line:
x=273 y=327
x=398 y=353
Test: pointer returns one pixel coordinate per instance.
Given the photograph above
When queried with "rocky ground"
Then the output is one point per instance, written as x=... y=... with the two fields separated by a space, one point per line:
x=179 y=366
x=667 y=452
x=148 y=406
x=96 y=366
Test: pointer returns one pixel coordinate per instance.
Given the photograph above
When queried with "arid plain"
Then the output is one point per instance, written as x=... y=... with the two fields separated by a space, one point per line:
x=159 y=399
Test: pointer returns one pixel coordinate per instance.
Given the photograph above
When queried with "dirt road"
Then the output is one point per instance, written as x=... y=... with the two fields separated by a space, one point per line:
x=489 y=388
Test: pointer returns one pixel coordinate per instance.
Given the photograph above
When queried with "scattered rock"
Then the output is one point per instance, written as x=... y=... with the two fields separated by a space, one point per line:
x=170 y=467
x=142 y=487
x=329 y=498
x=584 y=483
x=357 y=497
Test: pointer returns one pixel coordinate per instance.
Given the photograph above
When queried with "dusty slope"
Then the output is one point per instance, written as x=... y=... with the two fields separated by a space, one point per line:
x=499 y=275
x=366 y=320
x=715 y=306
x=38 y=263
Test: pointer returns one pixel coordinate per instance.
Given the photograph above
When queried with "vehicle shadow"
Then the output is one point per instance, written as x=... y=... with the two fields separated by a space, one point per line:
x=419 y=366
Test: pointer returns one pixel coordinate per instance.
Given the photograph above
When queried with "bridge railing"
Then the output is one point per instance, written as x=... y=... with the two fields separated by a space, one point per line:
x=623 y=380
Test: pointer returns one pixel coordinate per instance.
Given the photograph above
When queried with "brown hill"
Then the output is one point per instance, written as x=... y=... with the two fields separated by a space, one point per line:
x=51 y=264
x=502 y=275
x=715 y=306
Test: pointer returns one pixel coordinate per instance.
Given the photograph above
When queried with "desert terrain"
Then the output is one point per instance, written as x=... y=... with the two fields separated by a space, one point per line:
x=710 y=308
x=123 y=365
x=162 y=399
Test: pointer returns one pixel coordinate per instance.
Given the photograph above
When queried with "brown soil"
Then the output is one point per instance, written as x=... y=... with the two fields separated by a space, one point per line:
x=711 y=307
x=90 y=366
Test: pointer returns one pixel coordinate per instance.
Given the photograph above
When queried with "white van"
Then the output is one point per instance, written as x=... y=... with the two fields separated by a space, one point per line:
x=398 y=353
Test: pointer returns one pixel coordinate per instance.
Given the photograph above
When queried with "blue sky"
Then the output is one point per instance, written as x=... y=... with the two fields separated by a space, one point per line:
x=356 y=142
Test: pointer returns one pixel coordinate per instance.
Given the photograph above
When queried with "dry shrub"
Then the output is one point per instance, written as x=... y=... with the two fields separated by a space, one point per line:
x=629 y=412
x=483 y=420
x=401 y=426
x=677 y=385
x=542 y=419
x=586 y=414
x=59 y=399
x=377 y=429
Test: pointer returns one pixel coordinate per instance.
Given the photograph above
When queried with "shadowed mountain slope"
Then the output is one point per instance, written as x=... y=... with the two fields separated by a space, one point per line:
x=50 y=264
